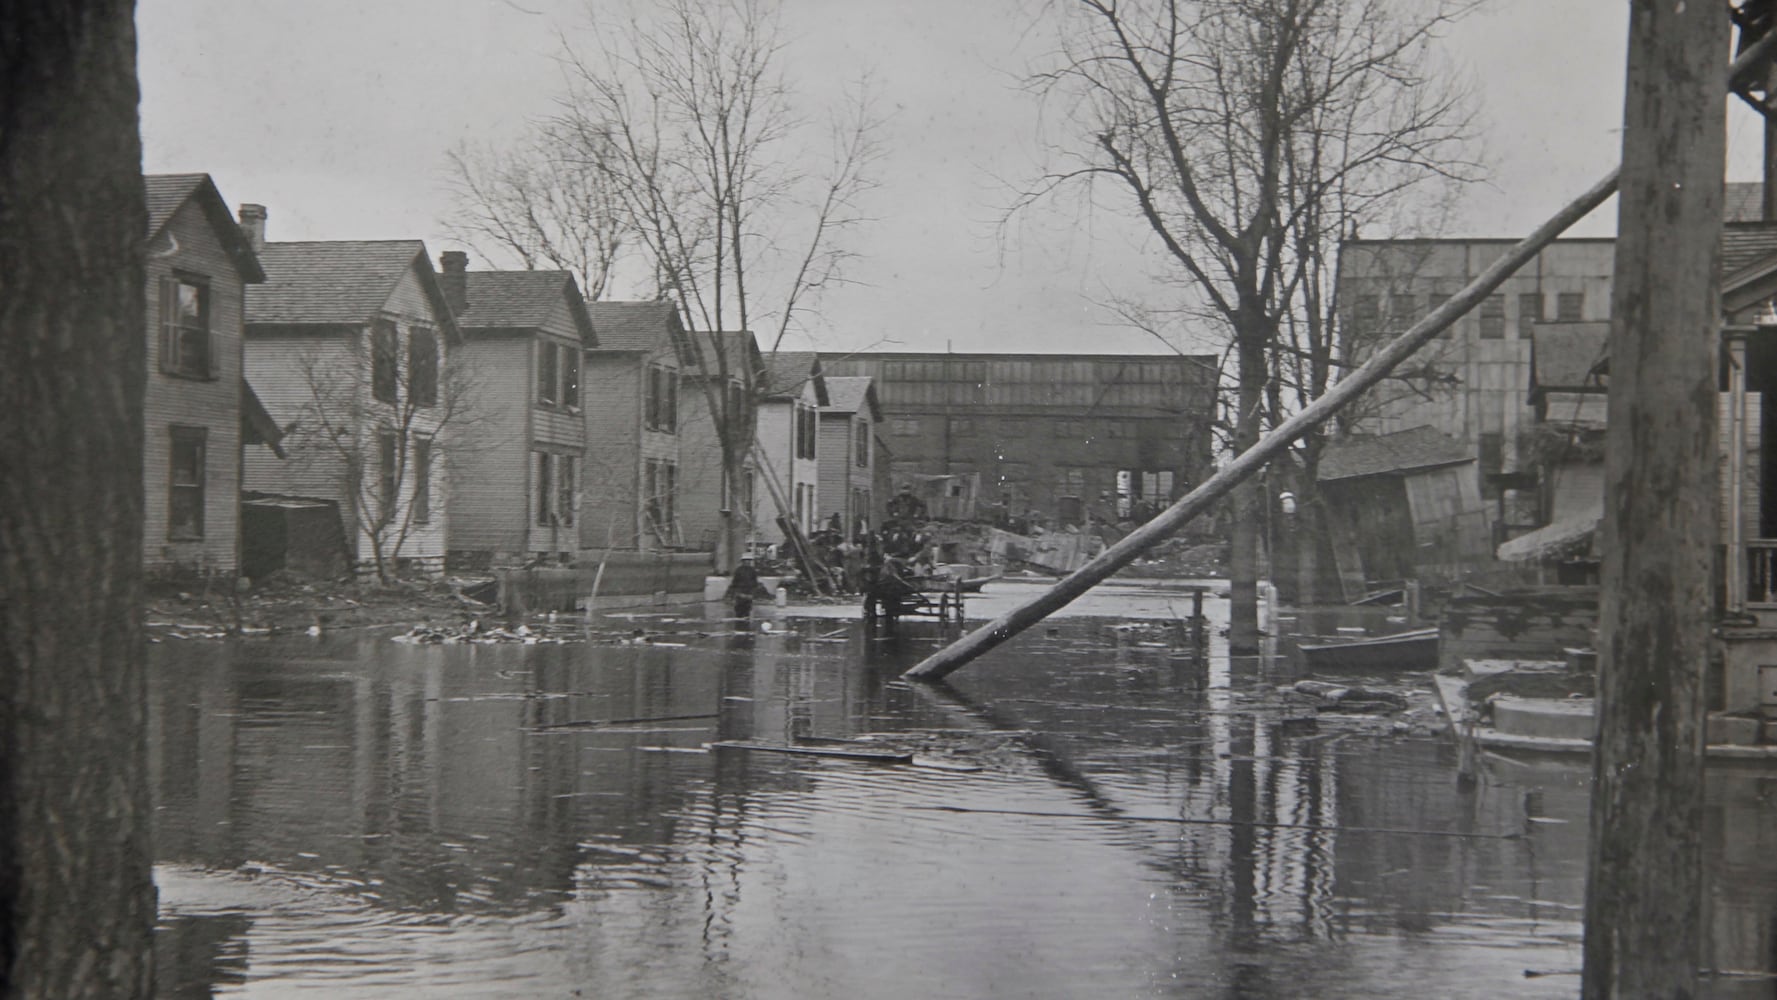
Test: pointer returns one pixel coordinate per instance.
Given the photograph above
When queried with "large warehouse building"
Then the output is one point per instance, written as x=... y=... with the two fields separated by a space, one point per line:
x=1046 y=432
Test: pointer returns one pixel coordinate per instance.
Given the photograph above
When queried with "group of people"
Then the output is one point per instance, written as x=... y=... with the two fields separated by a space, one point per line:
x=901 y=548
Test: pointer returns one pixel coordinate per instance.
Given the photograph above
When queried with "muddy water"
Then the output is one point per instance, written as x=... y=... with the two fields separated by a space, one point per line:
x=1090 y=812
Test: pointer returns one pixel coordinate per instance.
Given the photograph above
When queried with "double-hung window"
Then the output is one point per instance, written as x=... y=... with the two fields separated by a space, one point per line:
x=385 y=360
x=187 y=344
x=422 y=480
x=661 y=399
x=185 y=484
x=422 y=366
x=548 y=374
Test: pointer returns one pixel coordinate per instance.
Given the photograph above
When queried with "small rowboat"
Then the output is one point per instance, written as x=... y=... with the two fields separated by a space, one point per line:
x=1414 y=650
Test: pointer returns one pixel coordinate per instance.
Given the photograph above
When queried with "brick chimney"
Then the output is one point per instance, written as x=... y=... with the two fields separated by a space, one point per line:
x=253 y=225
x=454 y=264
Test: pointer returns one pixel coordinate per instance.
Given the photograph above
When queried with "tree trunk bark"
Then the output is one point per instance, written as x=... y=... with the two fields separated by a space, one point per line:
x=1246 y=502
x=1644 y=894
x=76 y=898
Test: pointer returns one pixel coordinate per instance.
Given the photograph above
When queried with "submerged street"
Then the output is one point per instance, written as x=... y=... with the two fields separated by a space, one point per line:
x=1089 y=812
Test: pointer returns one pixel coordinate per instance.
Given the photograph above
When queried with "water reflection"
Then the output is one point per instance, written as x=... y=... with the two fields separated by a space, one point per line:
x=378 y=819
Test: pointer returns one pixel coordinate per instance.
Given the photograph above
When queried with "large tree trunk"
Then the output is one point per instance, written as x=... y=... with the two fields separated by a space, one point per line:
x=1644 y=894
x=1247 y=501
x=76 y=898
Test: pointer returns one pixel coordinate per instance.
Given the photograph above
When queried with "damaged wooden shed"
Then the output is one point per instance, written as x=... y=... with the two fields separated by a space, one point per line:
x=1402 y=506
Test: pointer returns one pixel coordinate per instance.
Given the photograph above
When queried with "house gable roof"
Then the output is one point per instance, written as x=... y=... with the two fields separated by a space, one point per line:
x=1568 y=357
x=852 y=394
x=522 y=300
x=635 y=326
x=167 y=193
x=340 y=282
x=1390 y=454
x=786 y=372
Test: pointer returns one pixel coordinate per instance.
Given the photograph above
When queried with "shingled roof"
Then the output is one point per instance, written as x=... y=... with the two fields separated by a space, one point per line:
x=521 y=300
x=167 y=193
x=1745 y=243
x=338 y=282
x=633 y=326
x=785 y=372
x=1568 y=357
x=851 y=394
x=1390 y=454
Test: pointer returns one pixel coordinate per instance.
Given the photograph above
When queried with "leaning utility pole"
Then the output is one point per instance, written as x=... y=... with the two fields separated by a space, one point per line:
x=1644 y=894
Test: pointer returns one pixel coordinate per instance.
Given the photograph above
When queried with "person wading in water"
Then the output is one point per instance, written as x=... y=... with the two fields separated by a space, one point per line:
x=743 y=586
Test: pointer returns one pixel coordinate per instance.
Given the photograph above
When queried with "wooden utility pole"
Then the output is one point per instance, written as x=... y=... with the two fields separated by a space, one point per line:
x=953 y=657
x=1644 y=893
x=76 y=897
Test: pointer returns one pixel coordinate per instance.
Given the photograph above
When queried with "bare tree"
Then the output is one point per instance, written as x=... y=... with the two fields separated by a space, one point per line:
x=688 y=115
x=383 y=427
x=546 y=201
x=76 y=896
x=1248 y=135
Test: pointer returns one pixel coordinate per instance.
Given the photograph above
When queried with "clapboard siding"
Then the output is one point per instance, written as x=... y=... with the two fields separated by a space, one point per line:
x=211 y=404
x=559 y=427
x=700 y=470
x=778 y=465
x=488 y=474
x=611 y=403
x=279 y=368
x=836 y=465
x=299 y=375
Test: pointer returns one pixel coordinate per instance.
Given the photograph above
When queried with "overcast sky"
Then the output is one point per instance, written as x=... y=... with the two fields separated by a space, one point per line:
x=336 y=114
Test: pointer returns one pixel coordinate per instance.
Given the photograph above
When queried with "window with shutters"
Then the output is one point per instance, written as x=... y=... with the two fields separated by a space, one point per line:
x=185 y=484
x=805 y=431
x=564 y=489
x=385 y=360
x=388 y=471
x=545 y=484
x=422 y=367
x=548 y=374
x=570 y=377
x=860 y=442
x=660 y=399
x=187 y=345
x=422 y=480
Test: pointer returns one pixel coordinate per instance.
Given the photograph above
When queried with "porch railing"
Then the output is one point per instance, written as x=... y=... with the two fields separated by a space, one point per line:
x=1761 y=572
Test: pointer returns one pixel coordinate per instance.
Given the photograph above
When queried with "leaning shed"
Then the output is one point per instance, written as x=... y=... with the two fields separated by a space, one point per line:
x=1402 y=506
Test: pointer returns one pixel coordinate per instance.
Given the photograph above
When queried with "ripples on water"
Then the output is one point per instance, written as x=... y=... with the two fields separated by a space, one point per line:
x=354 y=817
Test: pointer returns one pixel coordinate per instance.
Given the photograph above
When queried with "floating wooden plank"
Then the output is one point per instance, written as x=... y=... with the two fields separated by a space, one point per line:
x=844 y=753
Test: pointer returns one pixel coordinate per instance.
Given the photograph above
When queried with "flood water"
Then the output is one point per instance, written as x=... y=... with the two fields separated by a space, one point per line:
x=1092 y=812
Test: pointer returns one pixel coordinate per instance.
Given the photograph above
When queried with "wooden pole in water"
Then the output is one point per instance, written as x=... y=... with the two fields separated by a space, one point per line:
x=1644 y=899
x=954 y=656
x=947 y=660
